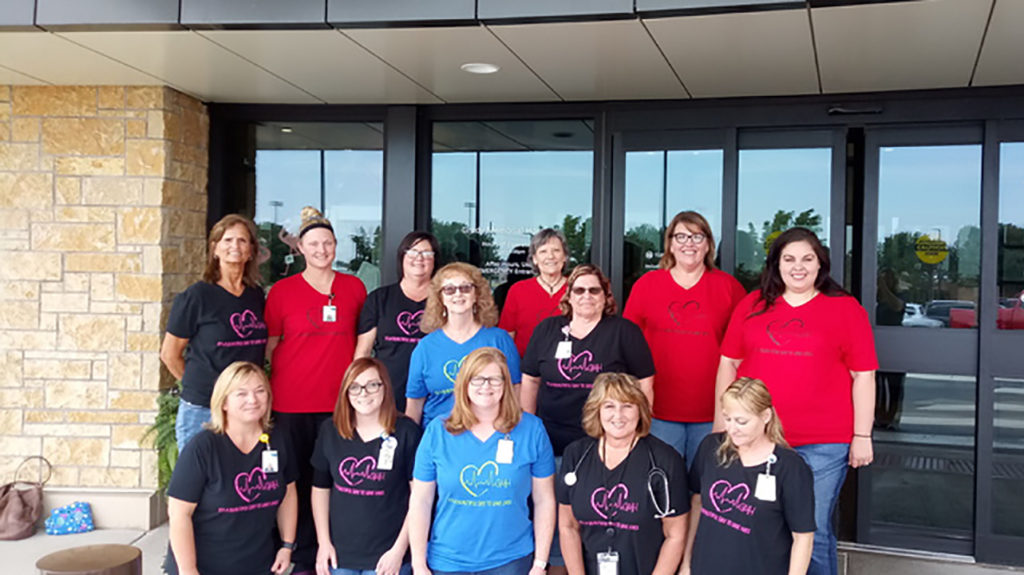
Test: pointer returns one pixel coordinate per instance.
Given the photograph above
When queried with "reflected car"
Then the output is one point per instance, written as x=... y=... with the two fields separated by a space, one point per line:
x=940 y=309
x=913 y=316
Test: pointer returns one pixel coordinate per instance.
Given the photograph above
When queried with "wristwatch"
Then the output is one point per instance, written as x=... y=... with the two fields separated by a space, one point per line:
x=288 y=545
x=540 y=564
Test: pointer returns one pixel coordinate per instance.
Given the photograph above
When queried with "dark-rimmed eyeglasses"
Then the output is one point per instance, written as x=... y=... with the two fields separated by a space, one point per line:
x=370 y=388
x=480 y=381
x=463 y=289
x=681 y=239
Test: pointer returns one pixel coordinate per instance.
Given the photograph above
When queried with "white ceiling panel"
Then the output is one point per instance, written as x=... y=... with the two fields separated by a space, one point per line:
x=740 y=54
x=193 y=64
x=899 y=46
x=8 y=76
x=326 y=64
x=432 y=57
x=53 y=59
x=614 y=60
x=1002 y=56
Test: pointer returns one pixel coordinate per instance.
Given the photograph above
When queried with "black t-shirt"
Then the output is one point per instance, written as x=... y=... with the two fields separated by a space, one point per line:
x=368 y=505
x=221 y=329
x=397 y=319
x=236 y=502
x=739 y=533
x=614 y=507
x=614 y=345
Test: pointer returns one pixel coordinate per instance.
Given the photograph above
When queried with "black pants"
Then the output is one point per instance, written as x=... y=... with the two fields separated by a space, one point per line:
x=300 y=430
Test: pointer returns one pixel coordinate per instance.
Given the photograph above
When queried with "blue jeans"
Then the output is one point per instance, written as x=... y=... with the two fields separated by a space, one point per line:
x=828 y=463
x=555 y=558
x=405 y=570
x=189 y=422
x=519 y=566
x=684 y=436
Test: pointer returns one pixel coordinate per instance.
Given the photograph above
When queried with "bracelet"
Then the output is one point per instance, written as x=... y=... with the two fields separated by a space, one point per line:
x=290 y=545
x=540 y=564
x=866 y=436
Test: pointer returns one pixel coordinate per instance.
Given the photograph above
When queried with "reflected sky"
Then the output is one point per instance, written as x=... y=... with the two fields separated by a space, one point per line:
x=1011 y=183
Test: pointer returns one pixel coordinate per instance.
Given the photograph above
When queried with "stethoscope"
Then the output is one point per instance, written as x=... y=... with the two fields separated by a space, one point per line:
x=654 y=475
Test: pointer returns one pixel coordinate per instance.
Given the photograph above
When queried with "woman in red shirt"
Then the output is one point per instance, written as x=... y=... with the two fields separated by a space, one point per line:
x=812 y=345
x=530 y=301
x=683 y=309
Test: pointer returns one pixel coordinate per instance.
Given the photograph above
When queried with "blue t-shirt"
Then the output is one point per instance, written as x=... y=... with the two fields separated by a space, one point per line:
x=436 y=361
x=481 y=521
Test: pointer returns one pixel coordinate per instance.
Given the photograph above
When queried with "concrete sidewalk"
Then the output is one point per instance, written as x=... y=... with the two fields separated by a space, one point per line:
x=19 y=557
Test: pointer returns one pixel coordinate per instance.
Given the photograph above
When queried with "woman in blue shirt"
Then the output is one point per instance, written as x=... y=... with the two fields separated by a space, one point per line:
x=459 y=318
x=484 y=462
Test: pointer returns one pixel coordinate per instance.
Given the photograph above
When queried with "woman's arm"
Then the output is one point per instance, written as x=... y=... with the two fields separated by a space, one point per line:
x=800 y=553
x=182 y=536
x=272 y=342
x=414 y=408
x=287 y=519
x=570 y=541
x=727 y=370
x=421 y=500
x=528 y=393
x=647 y=386
x=326 y=557
x=171 y=353
x=364 y=343
x=693 y=518
x=671 y=552
x=545 y=509
x=391 y=561
x=861 y=449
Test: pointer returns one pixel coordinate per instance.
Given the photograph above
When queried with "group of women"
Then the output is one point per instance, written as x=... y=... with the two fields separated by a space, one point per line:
x=562 y=438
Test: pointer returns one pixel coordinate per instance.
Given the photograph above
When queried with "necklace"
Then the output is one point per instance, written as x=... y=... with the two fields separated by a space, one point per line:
x=551 y=287
x=604 y=450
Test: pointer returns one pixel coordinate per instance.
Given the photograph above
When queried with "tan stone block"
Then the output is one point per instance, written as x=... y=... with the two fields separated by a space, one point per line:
x=113 y=191
x=139 y=225
x=108 y=477
x=64 y=477
x=13 y=219
x=27 y=340
x=54 y=101
x=43 y=416
x=74 y=166
x=145 y=97
x=150 y=378
x=150 y=477
x=151 y=317
x=146 y=157
x=103 y=416
x=10 y=421
x=21 y=446
x=102 y=262
x=62 y=394
x=111 y=97
x=57 y=368
x=14 y=290
x=128 y=436
x=125 y=457
x=73 y=237
x=133 y=400
x=99 y=370
x=19 y=315
x=125 y=370
x=10 y=369
x=120 y=308
x=7 y=244
x=25 y=130
x=53 y=302
x=76 y=282
x=86 y=355
x=83 y=136
x=133 y=323
x=67 y=430
x=143 y=342
x=84 y=214
x=135 y=128
x=155 y=124
x=69 y=190
x=102 y=287
x=48 y=321
x=33 y=191
x=76 y=451
x=19 y=157
x=132 y=287
x=5 y=93
x=91 y=332
x=152 y=259
x=172 y=127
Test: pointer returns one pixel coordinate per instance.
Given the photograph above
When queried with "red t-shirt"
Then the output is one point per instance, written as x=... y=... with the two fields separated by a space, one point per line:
x=684 y=328
x=805 y=355
x=308 y=363
x=526 y=305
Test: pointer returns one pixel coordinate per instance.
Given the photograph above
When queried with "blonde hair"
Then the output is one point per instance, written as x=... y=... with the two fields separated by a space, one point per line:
x=227 y=382
x=435 y=316
x=344 y=417
x=251 y=276
x=752 y=395
x=694 y=220
x=620 y=387
x=462 y=417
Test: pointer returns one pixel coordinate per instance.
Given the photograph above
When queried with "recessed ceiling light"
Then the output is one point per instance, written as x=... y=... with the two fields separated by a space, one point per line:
x=286 y=130
x=479 y=68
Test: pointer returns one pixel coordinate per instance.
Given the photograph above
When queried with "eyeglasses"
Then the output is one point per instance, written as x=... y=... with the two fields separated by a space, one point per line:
x=595 y=290
x=426 y=254
x=368 y=388
x=463 y=289
x=489 y=381
x=681 y=239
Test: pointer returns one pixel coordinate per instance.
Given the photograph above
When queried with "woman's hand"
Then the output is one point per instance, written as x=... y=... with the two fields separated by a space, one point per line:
x=538 y=570
x=390 y=562
x=420 y=569
x=326 y=559
x=862 y=451
x=282 y=562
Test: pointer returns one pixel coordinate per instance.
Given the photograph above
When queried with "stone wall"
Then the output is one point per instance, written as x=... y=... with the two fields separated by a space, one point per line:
x=103 y=218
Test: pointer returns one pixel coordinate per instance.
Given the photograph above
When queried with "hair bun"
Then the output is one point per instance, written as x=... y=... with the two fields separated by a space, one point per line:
x=312 y=218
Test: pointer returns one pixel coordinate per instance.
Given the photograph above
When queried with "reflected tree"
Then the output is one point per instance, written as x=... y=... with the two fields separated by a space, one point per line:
x=752 y=245
x=457 y=245
x=367 y=248
x=577 y=235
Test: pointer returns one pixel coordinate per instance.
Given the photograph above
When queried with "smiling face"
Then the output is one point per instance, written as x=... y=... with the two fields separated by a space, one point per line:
x=458 y=302
x=744 y=427
x=487 y=387
x=798 y=266
x=550 y=258
x=317 y=246
x=587 y=298
x=689 y=254
x=235 y=246
x=247 y=403
x=619 y=419
x=370 y=389
x=417 y=264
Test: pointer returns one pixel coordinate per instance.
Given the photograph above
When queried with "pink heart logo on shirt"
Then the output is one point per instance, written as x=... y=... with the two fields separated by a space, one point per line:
x=572 y=367
x=783 y=333
x=726 y=496
x=244 y=323
x=409 y=322
x=250 y=485
x=354 y=471
x=607 y=502
x=680 y=311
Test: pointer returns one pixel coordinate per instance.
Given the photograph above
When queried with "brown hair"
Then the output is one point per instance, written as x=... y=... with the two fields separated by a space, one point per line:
x=251 y=276
x=610 y=307
x=344 y=414
x=694 y=220
x=435 y=316
x=233 y=376
x=462 y=417
x=752 y=395
x=620 y=387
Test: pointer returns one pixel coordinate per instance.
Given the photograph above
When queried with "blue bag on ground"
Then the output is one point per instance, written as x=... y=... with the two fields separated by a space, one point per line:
x=73 y=518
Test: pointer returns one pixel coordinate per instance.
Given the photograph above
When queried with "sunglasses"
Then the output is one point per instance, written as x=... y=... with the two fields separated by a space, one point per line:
x=463 y=289
x=596 y=290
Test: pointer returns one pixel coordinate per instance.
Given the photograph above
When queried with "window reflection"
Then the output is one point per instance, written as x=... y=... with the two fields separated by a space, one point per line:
x=1011 y=236
x=1008 y=457
x=929 y=239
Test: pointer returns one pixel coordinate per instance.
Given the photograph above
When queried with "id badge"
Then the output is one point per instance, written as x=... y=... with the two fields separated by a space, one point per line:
x=608 y=563
x=386 y=457
x=564 y=350
x=330 y=314
x=504 y=451
x=269 y=461
x=765 y=489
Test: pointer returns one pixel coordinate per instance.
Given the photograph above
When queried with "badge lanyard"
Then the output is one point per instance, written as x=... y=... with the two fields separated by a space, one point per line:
x=269 y=456
x=765 y=489
x=330 y=312
x=505 y=448
x=386 y=457
x=564 y=349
